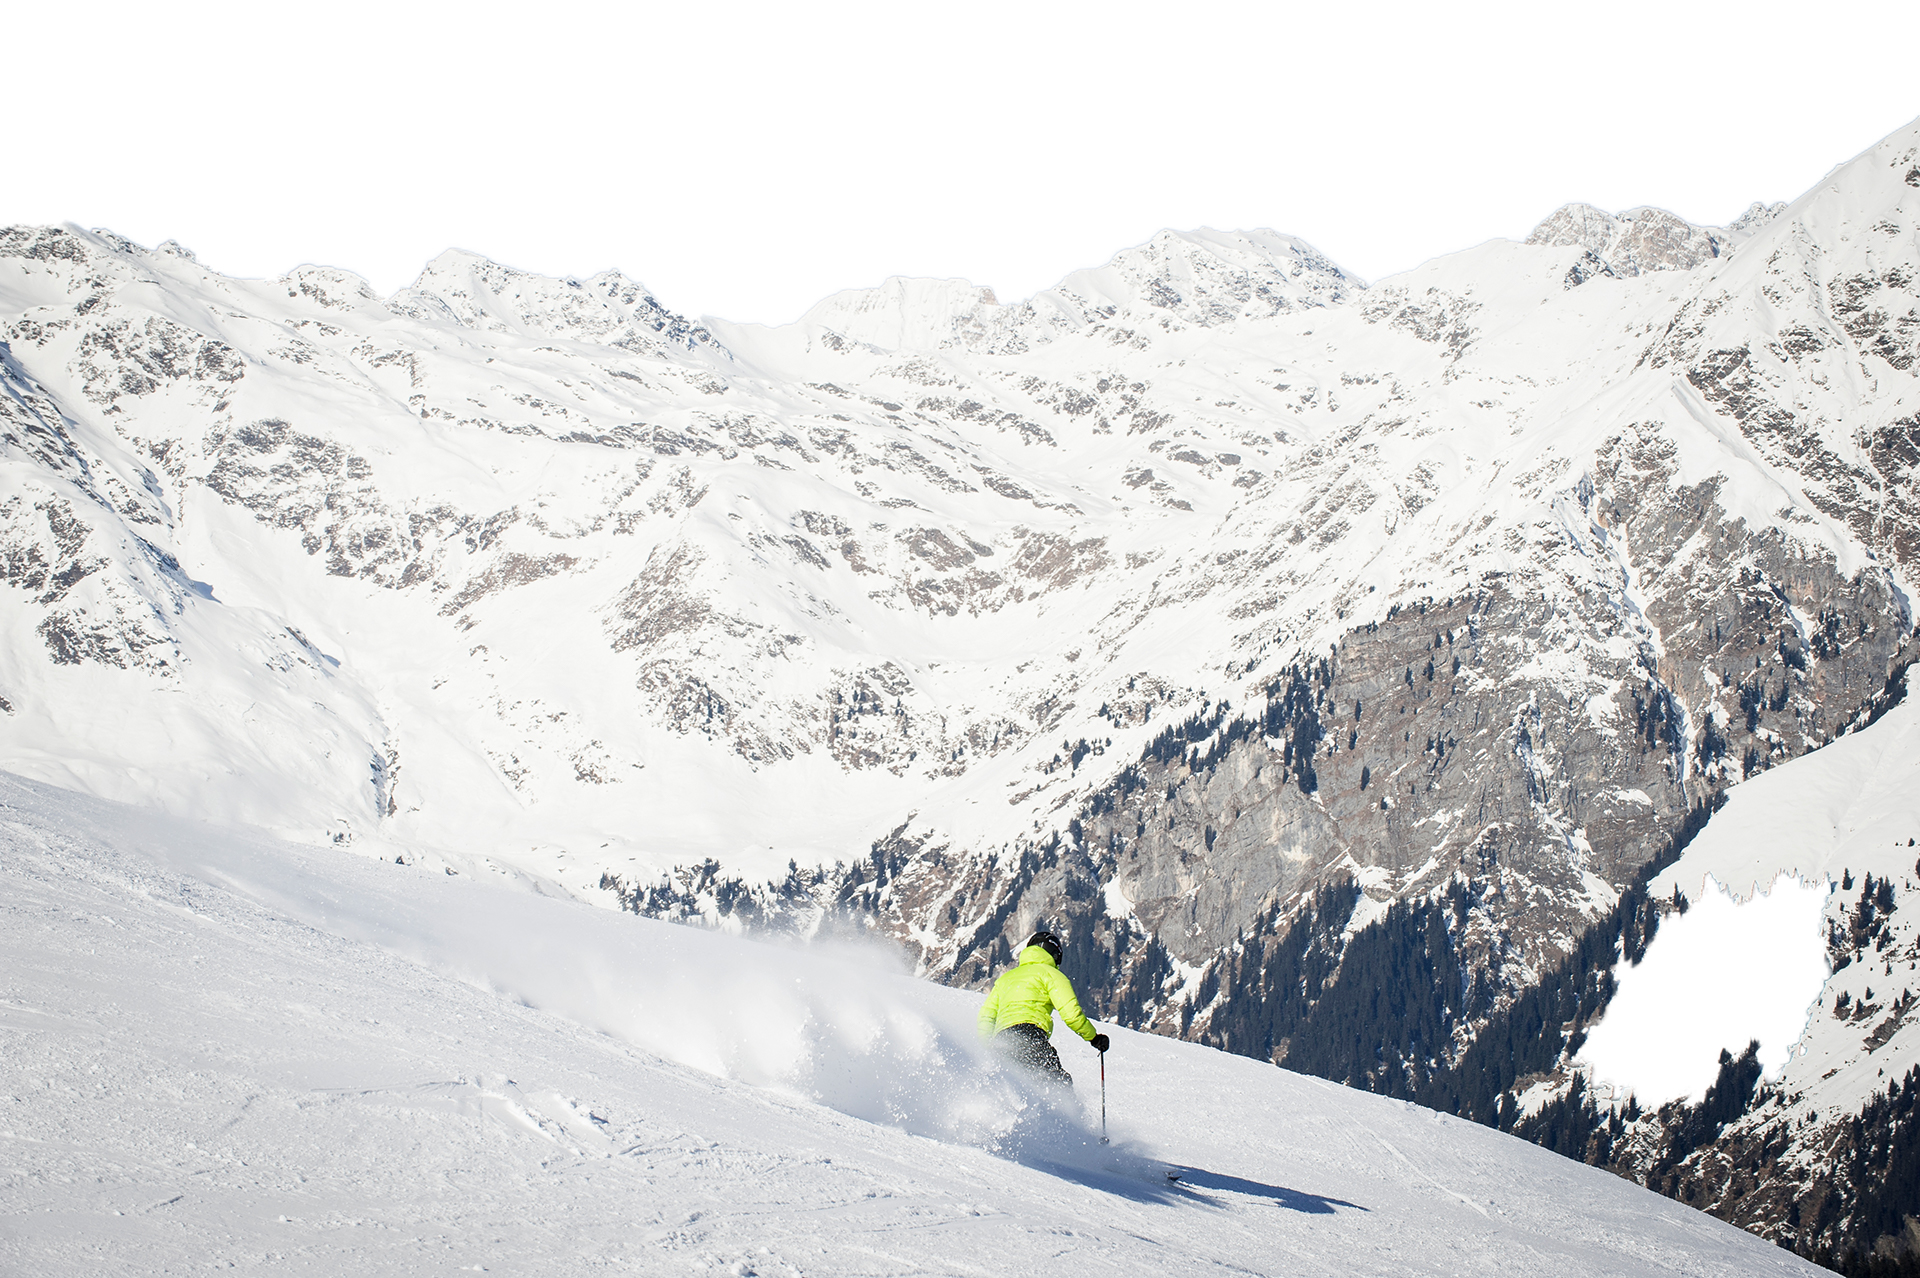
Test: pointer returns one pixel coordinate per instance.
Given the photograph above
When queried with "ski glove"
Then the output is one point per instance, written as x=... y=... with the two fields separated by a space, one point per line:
x=1100 y=1042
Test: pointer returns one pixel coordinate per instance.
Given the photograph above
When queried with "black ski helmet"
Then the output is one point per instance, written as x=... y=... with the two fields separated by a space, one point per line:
x=1047 y=941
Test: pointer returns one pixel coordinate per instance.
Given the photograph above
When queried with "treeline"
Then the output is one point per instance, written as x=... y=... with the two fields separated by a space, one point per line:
x=1866 y=922
x=1275 y=979
x=1576 y=1126
x=1548 y=1020
x=1548 y=1023
x=1384 y=1010
x=1882 y=1171
x=1377 y=1012
x=1387 y=1008
x=688 y=894
x=1116 y=963
x=1295 y=698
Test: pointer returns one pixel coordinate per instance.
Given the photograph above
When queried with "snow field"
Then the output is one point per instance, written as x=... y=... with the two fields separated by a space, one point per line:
x=1714 y=978
x=225 y=1052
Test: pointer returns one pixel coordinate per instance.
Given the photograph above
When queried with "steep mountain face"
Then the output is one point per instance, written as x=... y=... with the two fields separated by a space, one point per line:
x=1673 y=572
x=1822 y=1157
x=1157 y=606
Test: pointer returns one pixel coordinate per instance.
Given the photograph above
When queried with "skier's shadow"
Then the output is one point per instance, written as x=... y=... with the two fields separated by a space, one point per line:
x=1153 y=1187
x=1291 y=1199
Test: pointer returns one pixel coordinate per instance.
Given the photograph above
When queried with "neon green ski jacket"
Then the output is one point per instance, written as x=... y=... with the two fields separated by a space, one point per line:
x=1027 y=996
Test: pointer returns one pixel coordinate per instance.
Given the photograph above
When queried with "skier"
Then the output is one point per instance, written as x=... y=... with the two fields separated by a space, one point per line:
x=1017 y=1017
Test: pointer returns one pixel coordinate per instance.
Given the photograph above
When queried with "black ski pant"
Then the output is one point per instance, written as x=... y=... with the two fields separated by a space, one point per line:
x=1028 y=1045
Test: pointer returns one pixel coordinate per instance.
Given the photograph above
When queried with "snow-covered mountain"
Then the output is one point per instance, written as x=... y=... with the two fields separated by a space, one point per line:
x=1640 y=240
x=1157 y=606
x=1202 y=279
x=226 y=1052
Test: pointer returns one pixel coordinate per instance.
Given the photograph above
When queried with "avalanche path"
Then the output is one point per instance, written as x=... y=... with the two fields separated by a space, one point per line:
x=220 y=1051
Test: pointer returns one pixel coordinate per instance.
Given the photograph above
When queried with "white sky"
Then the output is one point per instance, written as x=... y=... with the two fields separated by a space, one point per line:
x=747 y=159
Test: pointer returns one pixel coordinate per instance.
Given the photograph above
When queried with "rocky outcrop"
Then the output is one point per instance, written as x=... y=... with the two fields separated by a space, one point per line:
x=1638 y=241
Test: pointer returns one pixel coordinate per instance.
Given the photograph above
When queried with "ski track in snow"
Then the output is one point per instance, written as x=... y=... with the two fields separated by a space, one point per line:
x=221 y=1051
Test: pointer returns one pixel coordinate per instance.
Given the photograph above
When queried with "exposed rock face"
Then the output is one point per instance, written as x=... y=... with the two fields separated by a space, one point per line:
x=1424 y=751
x=1623 y=245
x=1630 y=243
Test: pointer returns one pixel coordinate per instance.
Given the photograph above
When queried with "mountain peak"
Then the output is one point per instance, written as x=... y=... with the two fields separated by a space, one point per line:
x=904 y=312
x=1207 y=277
x=1176 y=279
x=607 y=309
x=1630 y=243
x=1641 y=240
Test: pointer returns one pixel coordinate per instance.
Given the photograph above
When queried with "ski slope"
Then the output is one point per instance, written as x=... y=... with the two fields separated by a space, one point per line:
x=224 y=1051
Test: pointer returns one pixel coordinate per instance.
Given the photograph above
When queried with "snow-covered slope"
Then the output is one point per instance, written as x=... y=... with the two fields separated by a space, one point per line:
x=227 y=1052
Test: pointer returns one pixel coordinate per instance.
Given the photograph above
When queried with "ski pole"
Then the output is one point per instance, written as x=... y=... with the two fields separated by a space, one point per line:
x=1103 y=1098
